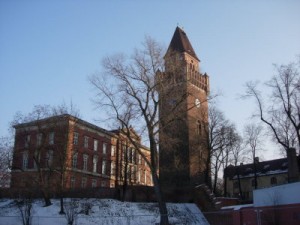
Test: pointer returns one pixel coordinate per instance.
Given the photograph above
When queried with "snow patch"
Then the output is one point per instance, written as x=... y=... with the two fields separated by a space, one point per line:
x=104 y=211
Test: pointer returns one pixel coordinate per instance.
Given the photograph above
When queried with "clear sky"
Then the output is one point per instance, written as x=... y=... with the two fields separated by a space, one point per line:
x=49 y=48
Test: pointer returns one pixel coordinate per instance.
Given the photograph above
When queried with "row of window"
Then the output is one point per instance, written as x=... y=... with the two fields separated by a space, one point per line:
x=25 y=159
x=132 y=172
x=104 y=167
x=84 y=183
x=94 y=183
x=132 y=156
x=39 y=139
x=135 y=174
x=95 y=144
x=51 y=141
x=273 y=181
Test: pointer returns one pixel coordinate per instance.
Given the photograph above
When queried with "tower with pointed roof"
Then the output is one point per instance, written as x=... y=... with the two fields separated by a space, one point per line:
x=183 y=155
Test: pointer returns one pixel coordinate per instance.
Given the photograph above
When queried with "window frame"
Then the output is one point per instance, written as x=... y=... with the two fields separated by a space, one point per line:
x=86 y=142
x=72 y=182
x=95 y=162
x=83 y=182
x=25 y=157
x=51 y=138
x=85 y=162
x=75 y=138
x=74 y=160
x=104 y=148
x=104 y=167
x=96 y=145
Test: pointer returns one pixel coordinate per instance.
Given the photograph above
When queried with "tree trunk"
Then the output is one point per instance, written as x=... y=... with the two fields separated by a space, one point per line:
x=215 y=179
x=225 y=187
x=239 y=183
x=61 y=193
x=46 y=198
x=125 y=183
x=207 y=172
x=255 y=175
x=161 y=203
x=124 y=191
x=61 y=204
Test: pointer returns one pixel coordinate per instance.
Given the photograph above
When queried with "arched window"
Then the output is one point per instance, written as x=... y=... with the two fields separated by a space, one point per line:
x=273 y=180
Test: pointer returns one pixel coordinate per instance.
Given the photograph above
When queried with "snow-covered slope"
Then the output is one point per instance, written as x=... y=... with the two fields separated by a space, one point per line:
x=103 y=211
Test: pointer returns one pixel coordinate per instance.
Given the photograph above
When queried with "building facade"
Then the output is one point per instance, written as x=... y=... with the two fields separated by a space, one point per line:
x=183 y=94
x=239 y=180
x=64 y=152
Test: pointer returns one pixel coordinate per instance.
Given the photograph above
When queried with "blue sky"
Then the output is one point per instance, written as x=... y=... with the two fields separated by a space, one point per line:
x=49 y=48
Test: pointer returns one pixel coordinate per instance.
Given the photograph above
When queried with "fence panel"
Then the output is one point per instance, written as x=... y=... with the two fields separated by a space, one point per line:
x=219 y=218
x=275 y=215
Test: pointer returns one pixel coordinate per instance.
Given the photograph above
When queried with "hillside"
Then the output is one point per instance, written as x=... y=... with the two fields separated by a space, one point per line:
x=103 y=211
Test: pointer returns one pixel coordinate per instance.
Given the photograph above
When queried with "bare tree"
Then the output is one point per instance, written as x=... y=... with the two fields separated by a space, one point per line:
x=49 y=156
x=130 y=96
x=221 y=138
x=6 y=152
x=42 y=177
x=71 y=211
x=25 y=207
x=232 y=151
x=282 y=113
x=61 y=145
x=237 y=156
x=132 y=90
x=253 y=136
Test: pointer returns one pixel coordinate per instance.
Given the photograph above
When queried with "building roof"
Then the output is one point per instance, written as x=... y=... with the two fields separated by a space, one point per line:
x=181 y=43
x=54 y=119
x=264 y=168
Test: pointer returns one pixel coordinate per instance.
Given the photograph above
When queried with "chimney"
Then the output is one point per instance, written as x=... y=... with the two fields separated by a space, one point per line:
x=293 y=170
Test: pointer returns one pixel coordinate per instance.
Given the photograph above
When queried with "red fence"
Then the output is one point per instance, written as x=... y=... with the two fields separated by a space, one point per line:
x=272 y=215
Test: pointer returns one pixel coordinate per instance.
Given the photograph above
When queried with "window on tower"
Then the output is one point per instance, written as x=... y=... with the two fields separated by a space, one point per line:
x=199 y=128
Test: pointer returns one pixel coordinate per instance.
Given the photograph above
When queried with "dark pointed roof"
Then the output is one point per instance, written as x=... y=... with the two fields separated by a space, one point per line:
x=181 y=43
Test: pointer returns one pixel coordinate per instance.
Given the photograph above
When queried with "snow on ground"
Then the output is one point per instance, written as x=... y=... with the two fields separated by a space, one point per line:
x=103 y=211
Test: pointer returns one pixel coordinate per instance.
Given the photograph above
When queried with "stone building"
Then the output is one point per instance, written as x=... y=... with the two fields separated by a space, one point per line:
x=67 y=152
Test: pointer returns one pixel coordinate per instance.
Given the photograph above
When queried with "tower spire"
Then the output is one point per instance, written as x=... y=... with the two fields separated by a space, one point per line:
x=180 y=43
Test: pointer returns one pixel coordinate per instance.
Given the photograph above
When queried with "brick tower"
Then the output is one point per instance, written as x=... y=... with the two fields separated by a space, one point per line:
x=183 y=116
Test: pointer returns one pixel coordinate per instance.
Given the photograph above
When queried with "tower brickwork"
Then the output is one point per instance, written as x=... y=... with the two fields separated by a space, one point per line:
x=183 y=116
